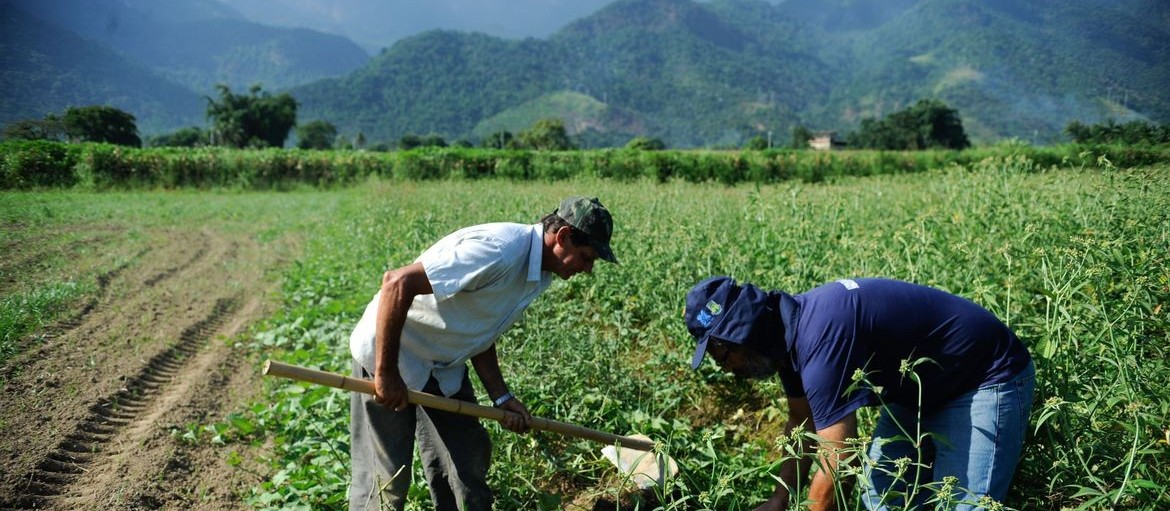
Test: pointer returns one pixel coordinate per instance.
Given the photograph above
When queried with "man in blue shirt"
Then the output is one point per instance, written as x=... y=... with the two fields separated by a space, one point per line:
x=947 y=374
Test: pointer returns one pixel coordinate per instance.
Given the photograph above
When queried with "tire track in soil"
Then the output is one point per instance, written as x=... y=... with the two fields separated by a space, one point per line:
x=171 y=272
x=67 y=450
x=21 y=259
x=78 y=451
x=102 y=301
x=75 y=320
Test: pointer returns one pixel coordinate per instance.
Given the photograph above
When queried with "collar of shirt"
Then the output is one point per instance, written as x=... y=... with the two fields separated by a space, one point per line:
x=789 y=310
x=536 y=254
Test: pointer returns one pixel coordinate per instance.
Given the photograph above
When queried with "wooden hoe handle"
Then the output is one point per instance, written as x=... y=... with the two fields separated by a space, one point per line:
x=274 y=368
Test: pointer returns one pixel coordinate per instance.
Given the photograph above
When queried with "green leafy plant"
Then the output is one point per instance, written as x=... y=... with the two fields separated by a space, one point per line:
x=1072 y=257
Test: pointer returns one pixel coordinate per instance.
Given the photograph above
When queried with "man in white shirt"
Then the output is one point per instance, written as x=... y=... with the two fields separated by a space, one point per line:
x=432 y=316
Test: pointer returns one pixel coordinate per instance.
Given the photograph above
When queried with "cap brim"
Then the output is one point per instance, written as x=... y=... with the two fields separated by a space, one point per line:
x=604 y=252
x=700 y=350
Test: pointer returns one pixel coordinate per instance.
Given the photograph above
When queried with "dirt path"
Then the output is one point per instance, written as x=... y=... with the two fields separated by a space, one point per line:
x=89 y=411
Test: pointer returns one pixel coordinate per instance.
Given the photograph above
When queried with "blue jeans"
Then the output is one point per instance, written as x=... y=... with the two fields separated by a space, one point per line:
x=976 y=438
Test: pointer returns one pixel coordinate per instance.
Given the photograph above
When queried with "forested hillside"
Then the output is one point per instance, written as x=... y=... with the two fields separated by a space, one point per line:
x=44 y=69
x=718 y=73
x=377 y=24
x=199 y=43
x=240 y=53
x=697 y=77
x=154 y=60
x=692 y=73
x=437 y=82
x=1023 y=69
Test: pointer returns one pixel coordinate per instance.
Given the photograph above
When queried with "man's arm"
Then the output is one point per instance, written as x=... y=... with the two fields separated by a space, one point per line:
x=793 y=472
x=487 y=366
x=822 y=493
x=399 y=287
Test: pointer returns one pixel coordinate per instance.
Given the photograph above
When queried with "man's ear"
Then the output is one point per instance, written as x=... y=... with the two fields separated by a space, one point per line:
x=564 y=236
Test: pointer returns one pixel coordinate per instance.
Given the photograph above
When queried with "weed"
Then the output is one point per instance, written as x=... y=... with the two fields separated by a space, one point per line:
x=1074 y=259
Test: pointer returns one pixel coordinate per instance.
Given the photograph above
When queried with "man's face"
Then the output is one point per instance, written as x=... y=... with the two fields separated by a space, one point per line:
x=570 y=259
x=740 y=360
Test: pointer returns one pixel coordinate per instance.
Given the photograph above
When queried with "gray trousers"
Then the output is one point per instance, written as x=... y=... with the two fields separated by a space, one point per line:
x=455 y=452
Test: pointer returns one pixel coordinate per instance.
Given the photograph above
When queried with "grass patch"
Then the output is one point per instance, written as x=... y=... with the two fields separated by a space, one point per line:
x=27 y=312
x=1073 y=258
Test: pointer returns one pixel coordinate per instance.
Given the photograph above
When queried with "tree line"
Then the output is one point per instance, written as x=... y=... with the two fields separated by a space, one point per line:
x=258 y=119
x=1110 y=132
x=79 y=124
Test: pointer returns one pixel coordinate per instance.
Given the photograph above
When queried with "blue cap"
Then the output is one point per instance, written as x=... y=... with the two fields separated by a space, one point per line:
x=717 y=307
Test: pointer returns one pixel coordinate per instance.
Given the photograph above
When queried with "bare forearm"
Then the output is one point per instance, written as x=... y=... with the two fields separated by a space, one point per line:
x=388 y=336
x=487 y=366
x=399 y=287
x=821 y=494
x=826 y=482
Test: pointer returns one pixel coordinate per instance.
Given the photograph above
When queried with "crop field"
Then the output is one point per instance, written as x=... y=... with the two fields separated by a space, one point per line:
x=1076 y=260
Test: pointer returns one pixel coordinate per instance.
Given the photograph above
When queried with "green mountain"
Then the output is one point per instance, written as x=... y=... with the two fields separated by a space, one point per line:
x=717 y=73
x=436 y=82
x=581 y=113
x=1023 y=69
x=199 y=43
x=156 y=59
x=668 y=68
x=46 y=70
x=693 y=73
x=698 y=78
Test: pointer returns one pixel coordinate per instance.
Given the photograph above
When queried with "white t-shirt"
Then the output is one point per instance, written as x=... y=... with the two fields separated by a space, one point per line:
x=483 y=278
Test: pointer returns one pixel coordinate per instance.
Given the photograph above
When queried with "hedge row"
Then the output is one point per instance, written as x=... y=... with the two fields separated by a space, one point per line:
x=37 y=164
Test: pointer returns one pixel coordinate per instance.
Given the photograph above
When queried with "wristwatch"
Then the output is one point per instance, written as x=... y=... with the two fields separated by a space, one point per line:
x=507 y=396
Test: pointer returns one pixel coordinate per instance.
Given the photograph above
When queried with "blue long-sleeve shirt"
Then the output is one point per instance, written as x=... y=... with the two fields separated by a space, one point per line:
x=873 y=325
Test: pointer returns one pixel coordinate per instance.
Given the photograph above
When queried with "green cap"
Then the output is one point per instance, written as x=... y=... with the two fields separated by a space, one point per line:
x=590 y=217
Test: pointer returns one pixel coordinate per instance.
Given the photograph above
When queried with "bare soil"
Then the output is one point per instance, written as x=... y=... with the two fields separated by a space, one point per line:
x=93 y=410
x=90 y=409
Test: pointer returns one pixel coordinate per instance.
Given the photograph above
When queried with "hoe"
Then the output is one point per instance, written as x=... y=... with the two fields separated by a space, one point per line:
x=630 y=454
